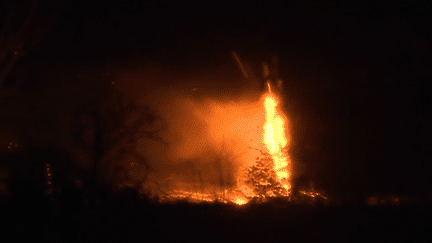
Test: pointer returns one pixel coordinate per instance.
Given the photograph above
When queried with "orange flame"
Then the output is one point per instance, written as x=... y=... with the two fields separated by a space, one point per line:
x=240 y=201
x=275 y=138
x=254 y=127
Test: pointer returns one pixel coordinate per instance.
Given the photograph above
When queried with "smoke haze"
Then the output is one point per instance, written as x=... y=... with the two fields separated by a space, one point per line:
x=200 y=114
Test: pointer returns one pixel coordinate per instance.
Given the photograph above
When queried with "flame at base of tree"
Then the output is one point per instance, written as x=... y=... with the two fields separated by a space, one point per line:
x=266 y=174
x=276 y=141
x=263 y=179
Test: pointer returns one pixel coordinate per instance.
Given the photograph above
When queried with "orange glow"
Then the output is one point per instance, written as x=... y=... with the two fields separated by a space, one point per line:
x=268 y=85
x=240 y=201
x=313 y=194
x=275 y=138
x=196 y=197
x=256 y=127
x=248 y=126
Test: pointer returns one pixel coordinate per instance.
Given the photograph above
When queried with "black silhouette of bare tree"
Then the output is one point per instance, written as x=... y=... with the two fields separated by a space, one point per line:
x=227 y=167
x=107 y=131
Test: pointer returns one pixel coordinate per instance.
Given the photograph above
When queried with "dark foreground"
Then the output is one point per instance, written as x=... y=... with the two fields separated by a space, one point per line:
x=135 y=220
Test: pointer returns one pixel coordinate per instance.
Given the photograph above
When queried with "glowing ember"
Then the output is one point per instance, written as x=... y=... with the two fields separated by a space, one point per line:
x=240 y=201
x=195 y=197
x=313 y=194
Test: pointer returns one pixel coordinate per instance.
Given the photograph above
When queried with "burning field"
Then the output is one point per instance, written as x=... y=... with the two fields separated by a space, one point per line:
x=227 y=148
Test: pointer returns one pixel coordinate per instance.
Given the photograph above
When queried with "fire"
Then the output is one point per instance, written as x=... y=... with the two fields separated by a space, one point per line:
x=240 y=201
x=275 y=138
x=258 y=131
x=196 y=197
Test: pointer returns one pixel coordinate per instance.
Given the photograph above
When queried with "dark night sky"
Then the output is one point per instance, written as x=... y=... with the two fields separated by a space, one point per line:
x=355 y=74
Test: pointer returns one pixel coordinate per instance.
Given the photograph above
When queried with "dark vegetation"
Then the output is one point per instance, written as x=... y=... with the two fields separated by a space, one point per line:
x=126 y=216
x=75 y=214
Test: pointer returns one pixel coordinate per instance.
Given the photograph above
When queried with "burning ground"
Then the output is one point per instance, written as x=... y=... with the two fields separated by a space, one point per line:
x=212 y=135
